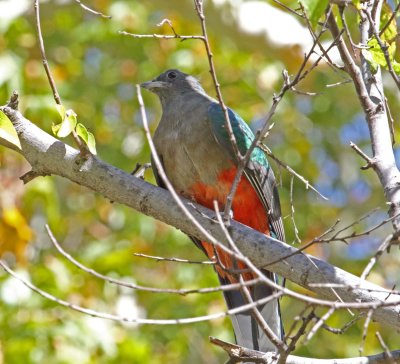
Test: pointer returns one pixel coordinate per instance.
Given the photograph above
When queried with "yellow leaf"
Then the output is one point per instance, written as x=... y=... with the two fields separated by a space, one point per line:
x=7 y=131
x=15 y=233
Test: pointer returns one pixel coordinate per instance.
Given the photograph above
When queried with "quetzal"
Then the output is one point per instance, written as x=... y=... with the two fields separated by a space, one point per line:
x=194 y=147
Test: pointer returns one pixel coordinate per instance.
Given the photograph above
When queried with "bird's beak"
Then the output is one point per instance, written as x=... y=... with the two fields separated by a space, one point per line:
x=154 y=84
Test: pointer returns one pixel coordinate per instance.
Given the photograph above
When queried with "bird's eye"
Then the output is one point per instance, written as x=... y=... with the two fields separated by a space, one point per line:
x=171 y=75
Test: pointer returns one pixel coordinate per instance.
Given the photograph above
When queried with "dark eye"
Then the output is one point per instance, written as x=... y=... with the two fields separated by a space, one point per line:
x=171 y=75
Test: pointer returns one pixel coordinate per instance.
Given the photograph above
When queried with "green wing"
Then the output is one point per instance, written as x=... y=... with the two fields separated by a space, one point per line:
x=257 y=171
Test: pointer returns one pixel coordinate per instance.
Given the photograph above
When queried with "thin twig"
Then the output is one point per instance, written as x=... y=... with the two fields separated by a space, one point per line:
x=385 y=244
x=339 y=83
x=305 y=320
x=238 y=155
x=390 y=19
x=319 y=324
x=389 y=356
x=313 y=35
x=365 y=331
x=53 y=86
x=370 y=161
x=137 y=320
x=350 y=65
x=290 y=170
x=346 y=28
x=278 y=343
x=353 y=235
x=95 y=12
x=44 y=58
x=287 y=85
x=183 y=292
x=389 y=292
x=162 y=36
x=140 y=169
x=296 y=231
x=175 y=260
x=342 y=330
x=391 y=119
x=321 y=238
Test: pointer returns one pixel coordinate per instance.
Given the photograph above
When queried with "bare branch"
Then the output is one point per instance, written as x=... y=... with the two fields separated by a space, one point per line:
x=290 y=170
x=394 y=13
x=388 y=354
x=385 y=244
x=319 y=323
x=54 y=157
x=239 y=354
x=44 y=58
x=287 y=85
x=296 y=231
x=175 y=260
x=95 y=12
x=279 y=344
x=118 y=282
x=136 y=320
x=162 y=36
x=370 y=93
x=365 y=330
x=305 y=320
x=370 y=161
x=46 y=66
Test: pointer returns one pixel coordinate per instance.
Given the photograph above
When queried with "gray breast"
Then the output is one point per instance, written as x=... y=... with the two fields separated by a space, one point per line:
x=187 y=146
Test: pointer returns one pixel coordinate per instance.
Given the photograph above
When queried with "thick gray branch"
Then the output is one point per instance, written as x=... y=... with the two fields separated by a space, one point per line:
x=372 y=99
x=48 y=155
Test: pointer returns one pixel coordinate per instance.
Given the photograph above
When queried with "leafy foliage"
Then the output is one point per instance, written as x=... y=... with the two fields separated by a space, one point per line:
x=375 y=54
x=315 y=9
x=87 y=137
x=69 y=124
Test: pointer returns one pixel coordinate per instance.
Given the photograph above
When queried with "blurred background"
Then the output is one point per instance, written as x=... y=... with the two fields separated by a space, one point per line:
x=96 y=69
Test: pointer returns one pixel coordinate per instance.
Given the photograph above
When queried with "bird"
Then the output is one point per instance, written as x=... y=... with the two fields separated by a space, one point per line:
x=196 y=153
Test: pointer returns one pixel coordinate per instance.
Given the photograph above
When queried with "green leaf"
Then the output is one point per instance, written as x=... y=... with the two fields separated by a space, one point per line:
x=7 y=131
x=396 y=67
x=375 y=56
x=87 y=137
x=61 y=111
x=315 y=9
x=68 y=124
x=376 y=52
x=370 y=59
x=55 y=128
x=390 y=32
x=357 y=4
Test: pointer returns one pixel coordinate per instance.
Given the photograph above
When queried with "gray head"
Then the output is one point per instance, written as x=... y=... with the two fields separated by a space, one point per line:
x=173 y=83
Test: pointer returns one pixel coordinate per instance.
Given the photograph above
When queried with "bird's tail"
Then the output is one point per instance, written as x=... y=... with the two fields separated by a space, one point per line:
x=248 y=333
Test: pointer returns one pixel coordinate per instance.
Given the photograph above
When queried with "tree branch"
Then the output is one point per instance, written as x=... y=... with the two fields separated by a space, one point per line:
x=238 y=353
x=48 y=155
x=372 y=99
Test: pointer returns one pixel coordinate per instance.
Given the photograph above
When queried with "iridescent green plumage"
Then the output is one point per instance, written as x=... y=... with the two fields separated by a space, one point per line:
x=258 y=170
x=242 y=132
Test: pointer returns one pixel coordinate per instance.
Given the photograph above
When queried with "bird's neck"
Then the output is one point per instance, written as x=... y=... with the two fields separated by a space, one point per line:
x=176 y=105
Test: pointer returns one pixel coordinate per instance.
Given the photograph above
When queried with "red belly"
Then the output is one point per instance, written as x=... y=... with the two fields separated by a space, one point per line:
x=247 y=209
